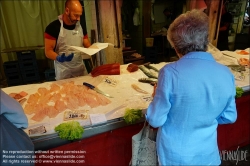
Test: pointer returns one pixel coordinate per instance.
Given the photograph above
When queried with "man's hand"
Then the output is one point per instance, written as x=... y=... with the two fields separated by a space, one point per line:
x=69 y=57
x=63 y=58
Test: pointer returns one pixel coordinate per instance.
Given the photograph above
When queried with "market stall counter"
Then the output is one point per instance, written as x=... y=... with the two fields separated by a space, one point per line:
x=107 y=137
x=41 y=99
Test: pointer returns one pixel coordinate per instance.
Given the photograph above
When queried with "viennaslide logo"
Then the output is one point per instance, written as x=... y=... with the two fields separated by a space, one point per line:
x=234 y=155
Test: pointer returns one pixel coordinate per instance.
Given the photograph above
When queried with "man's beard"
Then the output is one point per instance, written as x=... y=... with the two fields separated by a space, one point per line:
x=71 y=20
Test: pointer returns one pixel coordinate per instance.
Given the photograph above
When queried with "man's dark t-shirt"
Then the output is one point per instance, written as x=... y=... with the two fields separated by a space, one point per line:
x=53 y=29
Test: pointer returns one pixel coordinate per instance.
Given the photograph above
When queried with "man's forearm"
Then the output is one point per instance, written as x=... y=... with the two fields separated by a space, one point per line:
x=51 y=54
x=49 y=48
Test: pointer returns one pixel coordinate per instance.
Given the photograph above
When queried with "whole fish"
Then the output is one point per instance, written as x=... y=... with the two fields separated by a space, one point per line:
x=148 y=80
x=147 y=72
x=151 y=67
x=138 y=89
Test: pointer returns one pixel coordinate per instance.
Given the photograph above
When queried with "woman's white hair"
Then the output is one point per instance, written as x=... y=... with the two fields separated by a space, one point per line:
x=189 y=32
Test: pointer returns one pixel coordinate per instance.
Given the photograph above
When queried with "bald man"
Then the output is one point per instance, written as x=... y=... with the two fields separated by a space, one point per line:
x=63 y=32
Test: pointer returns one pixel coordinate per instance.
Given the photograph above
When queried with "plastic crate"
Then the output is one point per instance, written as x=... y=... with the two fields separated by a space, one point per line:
x=28 y=65
x=50 y=75
x=11 y=66
x=26 y=56
x=30 y=76
x=14 y=79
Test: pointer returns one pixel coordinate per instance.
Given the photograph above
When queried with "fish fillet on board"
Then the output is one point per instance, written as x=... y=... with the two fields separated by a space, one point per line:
x=51 y=111
x=58 y=98
x=33 y=98
x=54 y=87
x=55 y=97
x=29 y=108
x=60 y=106
x=43 y=91
x=91 y=100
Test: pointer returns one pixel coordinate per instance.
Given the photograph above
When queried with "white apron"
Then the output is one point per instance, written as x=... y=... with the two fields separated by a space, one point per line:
x=67 y=38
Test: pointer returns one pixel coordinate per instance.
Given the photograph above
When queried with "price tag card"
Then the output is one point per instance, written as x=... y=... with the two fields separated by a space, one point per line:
x=37 y=130
x=97 y=118
x=111 y=81
x=79 y=114
x=147 y=98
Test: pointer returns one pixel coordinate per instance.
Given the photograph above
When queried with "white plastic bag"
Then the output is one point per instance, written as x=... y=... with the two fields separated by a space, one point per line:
x=144 y=147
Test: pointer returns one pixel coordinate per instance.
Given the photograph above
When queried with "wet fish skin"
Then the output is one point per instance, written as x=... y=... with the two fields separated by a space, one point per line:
x=151 y=67
x=147 y=71
x=148 y=80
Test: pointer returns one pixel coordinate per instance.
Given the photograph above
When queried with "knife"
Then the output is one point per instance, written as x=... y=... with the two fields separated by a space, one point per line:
x=96 y=89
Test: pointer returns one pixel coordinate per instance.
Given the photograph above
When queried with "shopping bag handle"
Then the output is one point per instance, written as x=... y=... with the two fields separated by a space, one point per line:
x=151 y=134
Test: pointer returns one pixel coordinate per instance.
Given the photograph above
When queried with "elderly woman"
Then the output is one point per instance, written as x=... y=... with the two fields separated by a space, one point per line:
x=193 y=96
x=12 y=122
